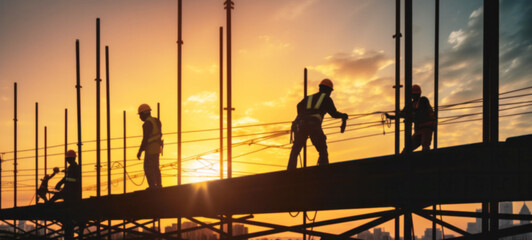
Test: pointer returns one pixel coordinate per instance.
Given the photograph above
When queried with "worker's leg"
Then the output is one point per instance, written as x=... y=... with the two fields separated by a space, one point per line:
x=319 y=140
x=148 y=169
x=157 y=171
x=426 y=138
x=42 y=195
x=416 y=142
x=57 y=196
x=300 y=138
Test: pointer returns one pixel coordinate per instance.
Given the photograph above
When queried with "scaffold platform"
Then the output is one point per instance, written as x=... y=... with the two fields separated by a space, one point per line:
x=463 y=174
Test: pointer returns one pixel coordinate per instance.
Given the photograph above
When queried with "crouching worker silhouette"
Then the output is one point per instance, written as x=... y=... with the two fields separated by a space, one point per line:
x=424 y=120
x=43 y=189
x=72 y=184
x=310 y=113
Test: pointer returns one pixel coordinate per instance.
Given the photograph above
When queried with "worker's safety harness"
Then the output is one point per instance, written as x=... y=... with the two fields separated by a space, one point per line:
x=313 y=112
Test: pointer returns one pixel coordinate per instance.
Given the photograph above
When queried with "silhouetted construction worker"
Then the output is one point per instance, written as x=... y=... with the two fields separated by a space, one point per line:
x=310 y=113
x=72 y=184
x=151 y=145
x=424 y=120
x=43 y=189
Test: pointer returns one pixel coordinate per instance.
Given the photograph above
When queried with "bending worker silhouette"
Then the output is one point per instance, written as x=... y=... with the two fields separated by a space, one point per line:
x=72 y=189
x=151 y=146
x=310 y=113
x=424 y=120
x=43 y=189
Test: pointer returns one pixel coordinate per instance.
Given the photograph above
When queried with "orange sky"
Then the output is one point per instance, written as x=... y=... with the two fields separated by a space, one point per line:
x=273 y=41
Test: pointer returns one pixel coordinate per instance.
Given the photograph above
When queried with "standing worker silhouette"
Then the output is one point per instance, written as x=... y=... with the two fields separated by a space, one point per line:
x=310 y=113
x=71 y=192
x=151 y=145
x=424 y=120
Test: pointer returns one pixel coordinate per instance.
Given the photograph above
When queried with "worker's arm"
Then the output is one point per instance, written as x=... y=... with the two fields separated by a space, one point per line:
x=401 y=115
x=331 y=110
x=59 y=184
x=146 y=130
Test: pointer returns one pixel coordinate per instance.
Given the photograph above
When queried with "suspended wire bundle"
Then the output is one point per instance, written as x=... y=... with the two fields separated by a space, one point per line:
x=259 y=139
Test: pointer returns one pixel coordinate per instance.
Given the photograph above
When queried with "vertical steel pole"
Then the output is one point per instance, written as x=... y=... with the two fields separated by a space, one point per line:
x=98 y=131
x=45 y=168
x=66 y=133
x=108 y=90
x=408 y=100
x=15 y=160
x=98 y=137
x=491 y=65
x=158 y=117
x=36 y=151
x=491 y=94
x=221 y=114
x=124 y=152
x=228 y=6
x=436 y=68
x=305 y=80
x=305 y=86
x=397 y=87
x=436 y=86
x=179 y=65
x=15 y=152
x=78 y=103
x=221 y=104
x=108 y=106
x=408 y=74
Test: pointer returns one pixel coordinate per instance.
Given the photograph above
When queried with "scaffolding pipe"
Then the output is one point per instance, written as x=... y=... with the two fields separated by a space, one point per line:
x=221 y=104
x=15 y=163
x=46 y=168
x=305 y=84
x=78 y=103
x=15 y=151
x=36 y=151
x=228 y=6
x=436 y=85
x=158 y=117
x=491 y=98
x=124 y=152
x=107 y=91
x=108 y=108
x=397 y=87
x=408 y=101
x=98 y=130
x=179 y=73
x=98 y=137
x=66 y=134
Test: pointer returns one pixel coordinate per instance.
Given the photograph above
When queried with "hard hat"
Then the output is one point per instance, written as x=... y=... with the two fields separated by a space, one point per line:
x=144 y=107
x=416 y=89
x=70 y=153
x=327 y=82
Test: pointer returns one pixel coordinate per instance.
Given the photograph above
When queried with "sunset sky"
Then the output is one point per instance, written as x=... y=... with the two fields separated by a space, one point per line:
x=348 y=41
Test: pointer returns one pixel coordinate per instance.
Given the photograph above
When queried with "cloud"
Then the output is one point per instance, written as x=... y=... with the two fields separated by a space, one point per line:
x=361 y=85
x=213 y=68
x=360 y=65
x=293 y=9
x=202 y=97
